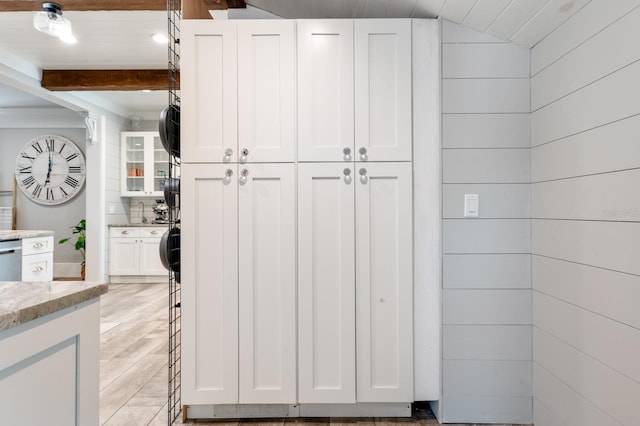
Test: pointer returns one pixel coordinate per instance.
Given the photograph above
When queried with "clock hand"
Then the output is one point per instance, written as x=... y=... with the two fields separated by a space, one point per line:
x=48 y=170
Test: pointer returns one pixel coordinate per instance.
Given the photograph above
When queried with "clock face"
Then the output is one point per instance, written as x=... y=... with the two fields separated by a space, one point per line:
x=50 y=169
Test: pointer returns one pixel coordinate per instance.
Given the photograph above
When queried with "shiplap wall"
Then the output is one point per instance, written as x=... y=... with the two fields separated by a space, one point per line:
x=487 y=336
x=586 y=219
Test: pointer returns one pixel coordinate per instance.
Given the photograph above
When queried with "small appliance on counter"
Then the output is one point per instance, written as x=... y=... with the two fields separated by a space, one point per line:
x=161 y=210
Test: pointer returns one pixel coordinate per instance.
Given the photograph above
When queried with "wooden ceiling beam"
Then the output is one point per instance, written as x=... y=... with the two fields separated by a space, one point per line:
x=98 y=80
x=93 y=5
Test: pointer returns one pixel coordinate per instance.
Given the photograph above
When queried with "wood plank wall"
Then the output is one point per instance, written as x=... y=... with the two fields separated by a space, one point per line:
x=585 y=124
x=486 y=260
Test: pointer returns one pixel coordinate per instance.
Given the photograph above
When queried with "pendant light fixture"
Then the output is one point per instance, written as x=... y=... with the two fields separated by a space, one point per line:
x=51 y=22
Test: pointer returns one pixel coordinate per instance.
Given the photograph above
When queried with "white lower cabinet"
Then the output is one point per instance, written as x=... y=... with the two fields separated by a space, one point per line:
x=134 y=251
x=238 y=267
x=37 y=259
x=355 y=283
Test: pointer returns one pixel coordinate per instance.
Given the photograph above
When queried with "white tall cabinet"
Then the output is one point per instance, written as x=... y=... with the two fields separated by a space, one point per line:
x=297 y=224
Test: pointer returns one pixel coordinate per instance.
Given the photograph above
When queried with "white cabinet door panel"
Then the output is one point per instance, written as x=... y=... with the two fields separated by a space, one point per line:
x=124 y=259
x=384 y=286
x=150 y=263
x=266 y=93
x=209 y=269
x=209 y=116
x=267 y=309
x=326 y=284
x=325 y=89
x=383 y=89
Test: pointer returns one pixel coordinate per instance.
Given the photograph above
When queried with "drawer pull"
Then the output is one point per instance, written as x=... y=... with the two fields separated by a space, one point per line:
x=38 y=245
x=38 y=269
x=125 y=232
x=154 y=232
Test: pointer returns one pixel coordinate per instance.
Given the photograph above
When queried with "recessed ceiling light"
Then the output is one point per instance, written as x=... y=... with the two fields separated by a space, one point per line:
x=160 y=38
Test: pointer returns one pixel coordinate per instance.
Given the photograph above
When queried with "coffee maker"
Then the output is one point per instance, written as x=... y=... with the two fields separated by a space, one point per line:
x=161 y=210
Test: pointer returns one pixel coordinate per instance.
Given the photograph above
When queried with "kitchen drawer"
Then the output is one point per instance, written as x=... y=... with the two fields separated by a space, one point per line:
x=37 y=245
x=125 y=232
x=152 y=232
x=37 y=267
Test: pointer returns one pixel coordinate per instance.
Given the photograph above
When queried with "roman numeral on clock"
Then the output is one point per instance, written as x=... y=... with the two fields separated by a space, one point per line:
x=71 y=157
x=23 y=155
x=37 y=147
x=50 y=194
x=75 y=169
x=63 y=145
x=51 y=145
x=29 y=181
x=25 y=170
x=37 y=190
x=71 y=181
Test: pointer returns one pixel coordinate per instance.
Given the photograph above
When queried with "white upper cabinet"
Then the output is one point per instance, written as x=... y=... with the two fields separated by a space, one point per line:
x=240 y=97
x=144 y=165
x=267 y=283
x=382 y=90
x=209 y=115
x=325 y=90
x=384 y=282
x=266 y=91
x=209 y=270
x=326 y=283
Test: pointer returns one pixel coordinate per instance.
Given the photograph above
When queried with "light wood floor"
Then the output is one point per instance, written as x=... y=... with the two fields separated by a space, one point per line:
x=133 y=365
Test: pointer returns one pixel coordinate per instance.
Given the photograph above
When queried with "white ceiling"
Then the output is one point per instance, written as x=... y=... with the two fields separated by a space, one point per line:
x=119 y=40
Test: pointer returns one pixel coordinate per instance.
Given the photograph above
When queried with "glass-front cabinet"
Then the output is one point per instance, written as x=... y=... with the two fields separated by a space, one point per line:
x=144 y=166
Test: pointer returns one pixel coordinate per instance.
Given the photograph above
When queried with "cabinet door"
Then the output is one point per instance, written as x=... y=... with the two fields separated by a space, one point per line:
x=158 y=165
x=383 y=89
x=124 y=259
x=133 y=165
x=150 y=263
x=326 y=283
x=209 y=118
x=209 y=272
x=384 y=282
x=266 y=93
x=267 y=228
x=325 y=90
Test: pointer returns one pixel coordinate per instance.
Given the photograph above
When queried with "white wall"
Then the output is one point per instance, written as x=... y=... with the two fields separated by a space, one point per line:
x=585 y=121
x=486 y=348
x=30 y=215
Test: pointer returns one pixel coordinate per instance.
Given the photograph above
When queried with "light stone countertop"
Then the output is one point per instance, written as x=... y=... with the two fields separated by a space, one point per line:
x=139 y=225
x=18 y=235
x=22 y=301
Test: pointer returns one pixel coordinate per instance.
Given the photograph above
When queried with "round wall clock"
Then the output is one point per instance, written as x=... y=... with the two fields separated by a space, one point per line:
x=50 y=170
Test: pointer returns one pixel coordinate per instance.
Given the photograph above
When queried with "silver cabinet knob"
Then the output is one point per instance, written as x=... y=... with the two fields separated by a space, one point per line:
x=347 y=154
x=363 y=176
x=363 y=154
x=243 y=176
x=38 y=269
x=347 y=176
x=38 y=245
x=227 y=176
x=154 y=232
x=244 y=153
x=227 y=155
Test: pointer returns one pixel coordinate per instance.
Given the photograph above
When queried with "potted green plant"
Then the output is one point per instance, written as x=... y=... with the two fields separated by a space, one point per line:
x=79 y=229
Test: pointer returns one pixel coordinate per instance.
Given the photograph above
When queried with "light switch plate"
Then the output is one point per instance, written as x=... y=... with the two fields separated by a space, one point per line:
x=471 y=205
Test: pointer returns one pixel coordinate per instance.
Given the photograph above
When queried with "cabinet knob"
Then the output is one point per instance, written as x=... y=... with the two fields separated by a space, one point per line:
x=363 y=176
x=227 y=176
x=125 y=232
x=154 y=232
x=38 y=245
x=363 y=154
x=347 y=154
x=227 y=155
x=244 y=153
x=38 y=269
x=347 y=176
x=244 y=174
